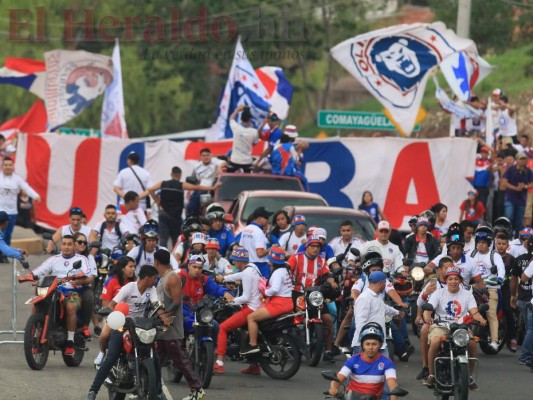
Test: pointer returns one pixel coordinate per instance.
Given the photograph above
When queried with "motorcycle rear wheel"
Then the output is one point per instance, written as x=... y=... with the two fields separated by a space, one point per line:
x=36 y=353
x=148 y=381
x=313 y=352
x=204 y=366
x=462 y=382
x=286 y=348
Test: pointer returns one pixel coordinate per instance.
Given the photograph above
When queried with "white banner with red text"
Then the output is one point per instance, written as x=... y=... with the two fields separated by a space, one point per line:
x=405 y=176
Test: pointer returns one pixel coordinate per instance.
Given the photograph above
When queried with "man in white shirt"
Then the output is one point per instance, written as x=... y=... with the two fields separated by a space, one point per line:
x=109 y=229
x=254 y=240
x=205 y=171
x=11 y=185
x=347 y=240
x=519 y=246
x=467 y=228
x=134 y=217
x=75 y=226
x=245 y=136
x=392 y=256
x=371 y=308
x=290 y=241
x=214 y=262
x=132 y=178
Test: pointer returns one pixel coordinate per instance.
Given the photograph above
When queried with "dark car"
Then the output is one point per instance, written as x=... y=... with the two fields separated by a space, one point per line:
x=330 y=218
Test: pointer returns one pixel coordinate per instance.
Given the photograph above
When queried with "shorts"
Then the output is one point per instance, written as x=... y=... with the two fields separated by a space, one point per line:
x=278 y=305
x=73 y=297
x=436 y=331
x=529 y=206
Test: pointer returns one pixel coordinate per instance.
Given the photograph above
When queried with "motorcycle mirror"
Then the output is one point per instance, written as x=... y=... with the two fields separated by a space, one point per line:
x=95 y=245
x=355 y=252
x=340 y=258
x=330 y=376
x=427 y=307
x=483 y=308
x=408 y=261
x=77 y=264
x=104 y=312
x=157 y=306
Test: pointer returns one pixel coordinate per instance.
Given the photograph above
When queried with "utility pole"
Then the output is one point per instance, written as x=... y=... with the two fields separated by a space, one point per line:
x=463 y=18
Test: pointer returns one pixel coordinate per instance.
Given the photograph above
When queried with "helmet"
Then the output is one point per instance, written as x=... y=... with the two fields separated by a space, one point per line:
x=455 y=235
x=215 y=211
x=483 y=233
x=430 y=215
x=150 y=229
x=372 y=258
x=502 y=224
x=372 y=330
x=525 y=232
x=199 y=237
x=413 y=220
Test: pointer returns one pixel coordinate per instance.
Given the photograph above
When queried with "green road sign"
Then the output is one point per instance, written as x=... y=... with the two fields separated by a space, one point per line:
x=356 y=120
x=81 y=132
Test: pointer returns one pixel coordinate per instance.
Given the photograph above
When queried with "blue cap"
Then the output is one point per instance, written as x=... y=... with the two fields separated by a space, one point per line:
x=376 y=277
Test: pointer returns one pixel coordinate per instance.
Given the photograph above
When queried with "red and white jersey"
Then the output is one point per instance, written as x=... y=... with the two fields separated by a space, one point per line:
x=305 y=270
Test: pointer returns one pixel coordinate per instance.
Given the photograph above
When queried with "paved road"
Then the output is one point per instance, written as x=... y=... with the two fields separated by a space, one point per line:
x=500 y=377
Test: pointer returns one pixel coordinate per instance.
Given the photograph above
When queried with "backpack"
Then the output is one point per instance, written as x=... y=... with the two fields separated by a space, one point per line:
x=494 y=267
x=140 y=253
x=104 y=227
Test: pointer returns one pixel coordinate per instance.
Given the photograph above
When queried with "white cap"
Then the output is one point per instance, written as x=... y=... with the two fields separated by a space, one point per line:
x=290 y=131
x=383 y=225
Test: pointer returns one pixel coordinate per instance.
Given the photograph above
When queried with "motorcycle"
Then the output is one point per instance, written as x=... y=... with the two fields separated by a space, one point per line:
x=409 y=288
x=279 y=356
x=134 y=371
x=483 y=332
x=198 y=342
x=46 y=329
x=452 y=377
x=103 y=265
x=332 y=376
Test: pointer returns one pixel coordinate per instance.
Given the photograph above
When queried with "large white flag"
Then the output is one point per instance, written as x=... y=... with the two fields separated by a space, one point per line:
x=74 y=80
x=243 y=87
x=113 y=122
x=463 y=71
x=393 y=63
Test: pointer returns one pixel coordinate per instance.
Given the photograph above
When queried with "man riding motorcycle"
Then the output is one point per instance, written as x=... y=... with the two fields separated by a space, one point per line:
x=60 y=265
x=215 y=213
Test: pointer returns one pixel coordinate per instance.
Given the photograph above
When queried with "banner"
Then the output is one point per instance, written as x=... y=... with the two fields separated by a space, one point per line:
x=74 y=80
x=406 y=176
x=279 y=89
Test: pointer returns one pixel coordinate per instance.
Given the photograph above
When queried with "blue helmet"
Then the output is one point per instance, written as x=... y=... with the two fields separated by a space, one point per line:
x=372 y=330
x=150 y=229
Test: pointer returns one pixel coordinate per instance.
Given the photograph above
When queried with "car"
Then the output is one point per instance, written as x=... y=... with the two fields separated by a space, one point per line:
x=272 y=200
x=235 y=183
x=330 y=218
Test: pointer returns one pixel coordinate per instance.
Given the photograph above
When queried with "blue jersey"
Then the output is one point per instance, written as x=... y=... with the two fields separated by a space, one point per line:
x=373 y=210
x=282 y=161
x=225 y=238
x=368 y=377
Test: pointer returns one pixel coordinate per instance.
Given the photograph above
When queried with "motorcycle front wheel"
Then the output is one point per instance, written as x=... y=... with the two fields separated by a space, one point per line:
x=148 y=381
x=284 y=360
x=462 y=382
x=502 y=332
x=36 y=353
x=313 y=352
x=77 y=358
x=204 y=365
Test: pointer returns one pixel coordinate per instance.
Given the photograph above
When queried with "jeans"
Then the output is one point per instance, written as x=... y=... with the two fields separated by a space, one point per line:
x=515 y=214
x=398 y=338
x=193 y=208
x=509 y=313
x=9 y=230
x=526 y=309
x=169 y=227
x=527 y=346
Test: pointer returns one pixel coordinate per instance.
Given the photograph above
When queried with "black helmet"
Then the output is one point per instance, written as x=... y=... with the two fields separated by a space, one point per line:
x=483 y=233
x=455 y=235
x=372 y=258
x=372 y=330
x=413 y=219
x=502 y=224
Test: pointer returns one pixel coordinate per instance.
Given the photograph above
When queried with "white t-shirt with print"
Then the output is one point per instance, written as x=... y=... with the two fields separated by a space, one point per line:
x=466 y=264
x=362 y=284
x=290 y=243
x=67 y=230
x=484 y=264
x=137 y=302
x=254 y=238
x=206 y=174
x=452 y=306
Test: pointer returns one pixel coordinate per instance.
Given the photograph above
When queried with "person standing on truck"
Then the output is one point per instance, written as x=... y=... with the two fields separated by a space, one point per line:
x=245 y=136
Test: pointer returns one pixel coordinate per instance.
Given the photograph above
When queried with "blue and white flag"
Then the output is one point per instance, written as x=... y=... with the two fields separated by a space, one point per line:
x=243 y=87
x=393 y=64
x=463 y=71
x=25 y=73
x=279 y=89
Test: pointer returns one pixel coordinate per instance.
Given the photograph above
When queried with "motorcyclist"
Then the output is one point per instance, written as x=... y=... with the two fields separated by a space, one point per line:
x=369 y=370
x=144 y=253
x=182 y=246
x=61 y=265
x=421 y=246
x=215 y=213
x=214 y=262
x=464 y=303
x=306 y=268
x=75 y=217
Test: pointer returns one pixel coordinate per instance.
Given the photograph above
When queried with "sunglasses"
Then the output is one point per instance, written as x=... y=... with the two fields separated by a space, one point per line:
x=75 y=210
x=81 y=242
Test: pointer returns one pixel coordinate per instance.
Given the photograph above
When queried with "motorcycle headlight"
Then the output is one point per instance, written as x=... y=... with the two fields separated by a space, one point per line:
x=316 y=298
x=146 y=336
x=206 y=315
x=417 y=274
x=460 y=337
x=41 y=291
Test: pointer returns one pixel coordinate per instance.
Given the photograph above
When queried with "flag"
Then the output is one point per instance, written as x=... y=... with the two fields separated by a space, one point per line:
x=34 y=121
x=25 y=73
x=243 y=87
x=113 y=122
x=463 y=71
x=459 y=109
x=279 y=89
x=393 y=64
x=74 y=80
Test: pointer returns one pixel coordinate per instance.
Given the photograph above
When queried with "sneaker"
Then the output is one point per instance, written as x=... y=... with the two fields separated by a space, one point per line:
x=430 y=381
x=328 y=357
x=196 y=394
x=99 y=358
x=513 y=346
x=335 y=351
x=408 y=352
x=249 y=350
x=69 y=348
x=423 y=374
x=493 y=345
x=91 y=395
x=346 y=350
x=251 y=370
x=473 y=385
x=218 y=369
x=86 y=333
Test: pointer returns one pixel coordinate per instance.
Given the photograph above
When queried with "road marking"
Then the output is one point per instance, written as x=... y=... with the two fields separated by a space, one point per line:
x=166 y=391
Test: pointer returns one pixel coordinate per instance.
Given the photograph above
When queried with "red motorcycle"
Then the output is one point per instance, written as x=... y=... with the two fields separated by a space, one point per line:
x=46 y=329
